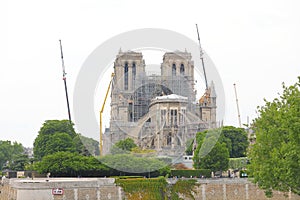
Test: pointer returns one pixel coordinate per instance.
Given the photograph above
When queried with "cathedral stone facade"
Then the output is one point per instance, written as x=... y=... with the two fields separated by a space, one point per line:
x=158 y=112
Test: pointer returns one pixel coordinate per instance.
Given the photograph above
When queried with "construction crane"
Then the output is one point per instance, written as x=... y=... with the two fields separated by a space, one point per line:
x=206 y=95
x=101 y=113
x=237 y=105
x=201 y=57
x=65 y=80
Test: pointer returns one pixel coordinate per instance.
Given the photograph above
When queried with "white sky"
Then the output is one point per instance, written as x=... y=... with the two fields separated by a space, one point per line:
x=254 y=44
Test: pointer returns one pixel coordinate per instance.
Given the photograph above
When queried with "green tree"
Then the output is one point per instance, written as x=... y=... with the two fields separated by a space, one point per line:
x=52 y=126
x=123 y=146
x=217 y=159
x=19 y=162
x=90 y=145
x=236 y=141
x=210 y=153
x=275 y=157
x=55 y=136
x=8 y=150
x=189 y=147
x=60 y=142
x=238 y=163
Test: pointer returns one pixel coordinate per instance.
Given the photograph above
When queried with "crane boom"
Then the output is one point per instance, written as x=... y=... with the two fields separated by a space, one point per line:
x=101 y=113
x=201 y=57
x=237 y=105
x=65 y=80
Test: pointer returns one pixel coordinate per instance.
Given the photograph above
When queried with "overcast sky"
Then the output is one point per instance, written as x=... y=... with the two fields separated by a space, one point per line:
x=254 y=44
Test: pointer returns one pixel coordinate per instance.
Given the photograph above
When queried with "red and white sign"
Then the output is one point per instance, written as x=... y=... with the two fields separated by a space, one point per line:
x=57 y=191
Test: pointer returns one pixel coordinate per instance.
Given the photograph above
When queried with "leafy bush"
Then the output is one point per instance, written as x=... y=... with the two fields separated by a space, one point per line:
x=237 y=163
x=184 y=187
x=155 y=188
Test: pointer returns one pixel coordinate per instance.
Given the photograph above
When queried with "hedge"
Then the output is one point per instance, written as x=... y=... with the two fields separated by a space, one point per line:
x=191 y=173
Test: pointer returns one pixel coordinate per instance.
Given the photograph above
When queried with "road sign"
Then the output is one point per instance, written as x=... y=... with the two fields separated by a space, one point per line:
x=57 y=191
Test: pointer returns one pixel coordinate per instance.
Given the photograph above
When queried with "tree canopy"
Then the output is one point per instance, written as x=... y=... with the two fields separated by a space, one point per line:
x=236 y=141
x=275 y=157
x=19 y=162
x=70 y=164
x=8 y=151
x=126 y=144
x=214 y=147
x=123 y=146
x=53 y=126
x=189 y=146
x=210 y=153
x=73 y=164
x=90 y=145
x=55 y=136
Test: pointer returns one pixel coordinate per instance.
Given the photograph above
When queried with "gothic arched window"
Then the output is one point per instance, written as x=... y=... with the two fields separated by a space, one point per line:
x=169 y=139
x=126 y=76
x=133 y=70
x=182 y=69
x=174 y=69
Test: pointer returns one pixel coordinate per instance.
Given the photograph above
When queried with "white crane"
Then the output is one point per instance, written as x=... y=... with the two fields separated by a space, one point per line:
x=237 y=105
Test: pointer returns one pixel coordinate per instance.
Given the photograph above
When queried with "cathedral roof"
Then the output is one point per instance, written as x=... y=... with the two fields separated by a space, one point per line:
x=171 y=97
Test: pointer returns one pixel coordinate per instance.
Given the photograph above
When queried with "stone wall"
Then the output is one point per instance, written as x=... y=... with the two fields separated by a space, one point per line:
x=105 y=188
x=73 y=189
x=7 y=192
x=234 y=189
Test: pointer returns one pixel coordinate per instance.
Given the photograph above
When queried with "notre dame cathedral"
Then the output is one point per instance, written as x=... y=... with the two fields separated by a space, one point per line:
x=158 y=112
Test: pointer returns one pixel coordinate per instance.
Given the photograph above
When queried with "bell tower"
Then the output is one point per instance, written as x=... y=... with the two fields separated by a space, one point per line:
x=208 y=106
x=177 y=73
x=129 y=68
